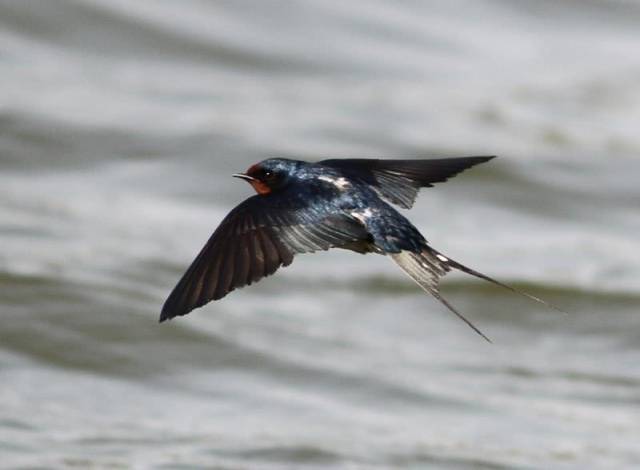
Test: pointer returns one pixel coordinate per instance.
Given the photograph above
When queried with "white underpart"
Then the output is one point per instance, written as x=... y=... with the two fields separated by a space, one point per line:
x=362 y=216
x=442 y=258
x=339 y=183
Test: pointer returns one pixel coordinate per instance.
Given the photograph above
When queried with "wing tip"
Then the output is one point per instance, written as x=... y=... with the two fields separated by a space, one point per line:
x=172 y=309
x=166 y=314
x=476 y=160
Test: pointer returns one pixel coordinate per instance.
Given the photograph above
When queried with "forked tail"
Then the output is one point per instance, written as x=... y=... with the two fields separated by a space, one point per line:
x=428 y=266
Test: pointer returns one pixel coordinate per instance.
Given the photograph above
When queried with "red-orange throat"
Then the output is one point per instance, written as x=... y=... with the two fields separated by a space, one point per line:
x=260 y=187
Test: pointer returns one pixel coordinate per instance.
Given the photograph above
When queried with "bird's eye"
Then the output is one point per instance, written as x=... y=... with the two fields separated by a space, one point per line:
x=268 y=174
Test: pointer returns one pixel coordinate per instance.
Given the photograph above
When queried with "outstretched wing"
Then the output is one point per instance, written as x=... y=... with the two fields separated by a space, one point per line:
x=252 y=242
x=399 y=181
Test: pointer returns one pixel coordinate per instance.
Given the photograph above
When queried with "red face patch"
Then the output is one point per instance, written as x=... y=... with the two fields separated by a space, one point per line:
x=253 y=169
x=260 y=187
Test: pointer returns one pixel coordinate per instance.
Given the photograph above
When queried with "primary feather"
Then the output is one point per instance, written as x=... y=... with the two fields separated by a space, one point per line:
x=399 y=181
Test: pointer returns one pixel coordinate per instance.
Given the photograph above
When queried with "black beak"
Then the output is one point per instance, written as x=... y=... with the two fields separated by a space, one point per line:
x=242 y=176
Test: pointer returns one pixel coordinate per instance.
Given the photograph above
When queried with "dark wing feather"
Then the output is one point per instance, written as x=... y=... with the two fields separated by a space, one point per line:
x=252 y=242
x=399 y=181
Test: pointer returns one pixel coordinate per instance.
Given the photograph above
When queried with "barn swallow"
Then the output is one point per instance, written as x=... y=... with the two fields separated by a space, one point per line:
x=303 y=207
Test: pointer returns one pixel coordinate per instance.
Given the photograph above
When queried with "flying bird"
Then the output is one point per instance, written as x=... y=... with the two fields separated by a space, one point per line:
x=303 y=207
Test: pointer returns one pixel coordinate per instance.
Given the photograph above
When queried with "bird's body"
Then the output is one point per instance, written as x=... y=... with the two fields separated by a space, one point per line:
x=321 y=191
x=303 y=207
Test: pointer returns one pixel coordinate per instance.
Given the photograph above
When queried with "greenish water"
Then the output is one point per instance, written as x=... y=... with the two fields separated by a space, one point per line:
x=120 y=125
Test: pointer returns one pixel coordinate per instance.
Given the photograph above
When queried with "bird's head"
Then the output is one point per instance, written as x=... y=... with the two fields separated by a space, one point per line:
x=269 y=175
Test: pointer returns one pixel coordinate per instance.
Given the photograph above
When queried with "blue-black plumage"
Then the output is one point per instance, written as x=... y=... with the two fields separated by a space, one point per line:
x=302 y=207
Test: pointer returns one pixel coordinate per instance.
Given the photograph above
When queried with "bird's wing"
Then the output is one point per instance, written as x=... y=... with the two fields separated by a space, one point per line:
x=252 y=242
x=399 y=181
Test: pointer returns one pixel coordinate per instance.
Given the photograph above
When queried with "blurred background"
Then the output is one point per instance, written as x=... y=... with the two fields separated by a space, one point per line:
x=120 y=124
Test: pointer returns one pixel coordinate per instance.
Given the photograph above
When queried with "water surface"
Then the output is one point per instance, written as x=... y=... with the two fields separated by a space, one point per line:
x=120 y=124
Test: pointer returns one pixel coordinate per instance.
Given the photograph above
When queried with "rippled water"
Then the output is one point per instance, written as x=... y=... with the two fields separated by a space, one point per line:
x=120 y=123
